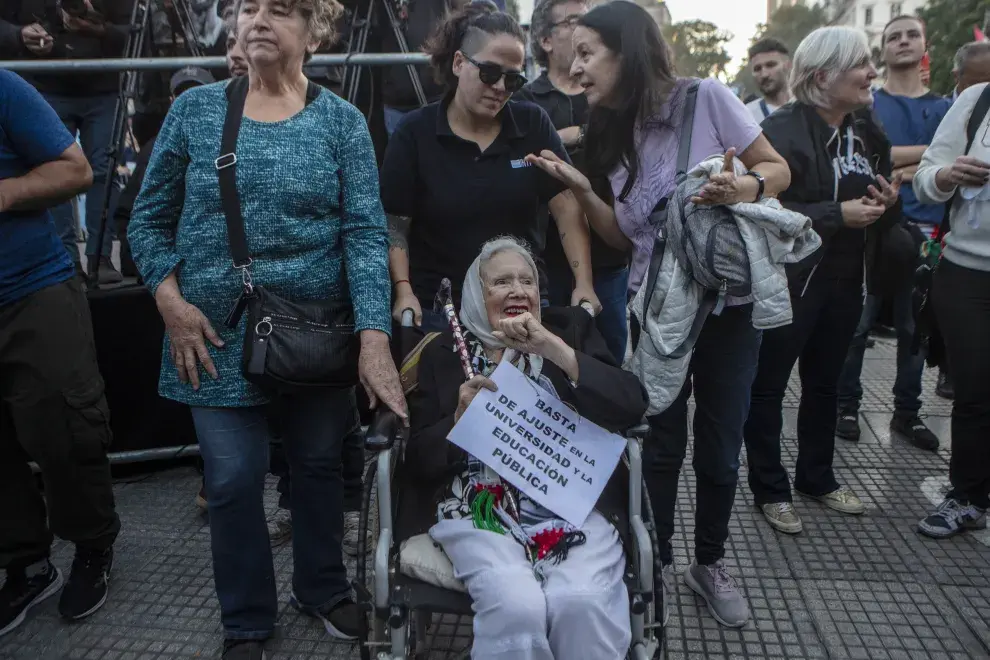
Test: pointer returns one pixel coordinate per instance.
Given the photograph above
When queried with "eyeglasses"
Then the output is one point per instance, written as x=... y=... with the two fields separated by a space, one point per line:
x=570 y=22
x=490 y=73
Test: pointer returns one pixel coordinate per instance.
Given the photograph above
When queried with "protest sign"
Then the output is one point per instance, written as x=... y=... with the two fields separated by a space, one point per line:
x=539 y=445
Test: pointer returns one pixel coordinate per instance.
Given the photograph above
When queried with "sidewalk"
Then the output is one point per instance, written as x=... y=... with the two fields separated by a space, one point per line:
x=867 y=587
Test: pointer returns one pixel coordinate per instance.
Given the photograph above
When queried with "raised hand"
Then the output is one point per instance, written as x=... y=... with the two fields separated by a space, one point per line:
x=566 y=173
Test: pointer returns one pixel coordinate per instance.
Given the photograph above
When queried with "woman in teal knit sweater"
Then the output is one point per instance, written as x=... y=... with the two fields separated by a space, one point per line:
x=308 y=186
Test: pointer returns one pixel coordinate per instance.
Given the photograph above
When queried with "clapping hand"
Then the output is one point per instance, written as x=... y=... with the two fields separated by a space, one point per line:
x=887 y=195
x=722 y=188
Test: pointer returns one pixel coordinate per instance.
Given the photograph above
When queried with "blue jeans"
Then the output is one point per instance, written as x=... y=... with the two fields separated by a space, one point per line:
x=910 y=366
x=722 y=369
x=92 y=118
x=235 y=443
x=392 y=118
x=611 y=288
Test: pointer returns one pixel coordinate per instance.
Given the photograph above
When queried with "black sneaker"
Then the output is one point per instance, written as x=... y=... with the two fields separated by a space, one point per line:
x=953 y=517
x=20 y=593
x=943 y=386
x=243 y=649
x=342 y=621
x=914 y=431
x=89 y=581
x=847 y=426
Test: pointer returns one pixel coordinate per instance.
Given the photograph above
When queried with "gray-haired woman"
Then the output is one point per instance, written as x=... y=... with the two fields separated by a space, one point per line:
x=307 y=184
x=571 y=602
x=840 y=165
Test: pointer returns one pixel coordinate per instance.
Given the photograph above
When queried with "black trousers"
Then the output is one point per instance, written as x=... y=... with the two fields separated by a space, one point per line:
x=51 y=387
x=721 y=372
x=825 y=318
x=962 y=305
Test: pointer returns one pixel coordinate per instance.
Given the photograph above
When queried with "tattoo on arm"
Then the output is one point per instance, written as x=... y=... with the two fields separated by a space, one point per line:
x=575 y=264
x=398 y=231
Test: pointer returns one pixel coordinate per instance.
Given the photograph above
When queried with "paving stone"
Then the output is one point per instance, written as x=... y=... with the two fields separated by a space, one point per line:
x=848 y=587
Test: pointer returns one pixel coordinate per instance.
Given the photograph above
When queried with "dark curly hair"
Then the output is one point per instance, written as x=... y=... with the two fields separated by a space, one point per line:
x=466 y=30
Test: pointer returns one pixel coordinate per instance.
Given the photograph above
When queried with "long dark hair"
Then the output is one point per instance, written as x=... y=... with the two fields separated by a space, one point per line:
x=476 y=18
x=646 y=78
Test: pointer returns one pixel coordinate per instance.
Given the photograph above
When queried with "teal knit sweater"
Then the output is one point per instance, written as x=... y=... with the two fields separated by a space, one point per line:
x=309 y=196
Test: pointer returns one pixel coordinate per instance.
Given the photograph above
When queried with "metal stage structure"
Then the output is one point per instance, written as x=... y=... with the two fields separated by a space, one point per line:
x=176 y=63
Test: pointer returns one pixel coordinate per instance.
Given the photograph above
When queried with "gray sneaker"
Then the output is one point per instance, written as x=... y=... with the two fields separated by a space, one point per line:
x=725 y=602
x=782 y=517
x=280 y=526
x=667 y=588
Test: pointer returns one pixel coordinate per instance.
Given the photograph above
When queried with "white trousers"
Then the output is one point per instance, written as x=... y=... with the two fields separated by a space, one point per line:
x=579 y=612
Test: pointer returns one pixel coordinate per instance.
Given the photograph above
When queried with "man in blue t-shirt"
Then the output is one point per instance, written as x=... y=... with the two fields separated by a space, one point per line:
x=51 y=392
x=910 y=114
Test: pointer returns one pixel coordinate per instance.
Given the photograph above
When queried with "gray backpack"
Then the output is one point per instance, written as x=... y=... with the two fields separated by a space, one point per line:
x=706 y=240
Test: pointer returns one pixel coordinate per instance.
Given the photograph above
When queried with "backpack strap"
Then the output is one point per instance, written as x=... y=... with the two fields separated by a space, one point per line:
x=764 y=108
x=975 y=121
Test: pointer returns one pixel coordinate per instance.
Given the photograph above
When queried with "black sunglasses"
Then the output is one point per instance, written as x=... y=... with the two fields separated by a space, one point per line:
x=490 y=73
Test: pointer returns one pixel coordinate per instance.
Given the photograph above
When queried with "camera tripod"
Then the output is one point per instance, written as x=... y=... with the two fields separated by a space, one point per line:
x=137 y=39
x=358 y=41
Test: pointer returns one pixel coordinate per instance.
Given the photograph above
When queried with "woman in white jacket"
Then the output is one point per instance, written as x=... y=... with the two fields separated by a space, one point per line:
x=961 y=293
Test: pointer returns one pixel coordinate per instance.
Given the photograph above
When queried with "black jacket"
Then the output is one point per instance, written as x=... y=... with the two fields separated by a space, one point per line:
x=606 y=395
x=809 y=145
x=15 y=14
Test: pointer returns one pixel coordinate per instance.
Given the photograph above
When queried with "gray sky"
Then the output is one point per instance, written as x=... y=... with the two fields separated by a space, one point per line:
x=737 y=16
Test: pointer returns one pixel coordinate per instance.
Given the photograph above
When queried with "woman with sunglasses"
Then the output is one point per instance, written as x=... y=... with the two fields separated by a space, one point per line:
x=454 y=174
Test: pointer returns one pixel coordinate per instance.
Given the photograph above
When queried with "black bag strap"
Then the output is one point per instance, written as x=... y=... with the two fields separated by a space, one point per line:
x=975 y=121
x=226 y=165
x=764 y=108
x=687 y=129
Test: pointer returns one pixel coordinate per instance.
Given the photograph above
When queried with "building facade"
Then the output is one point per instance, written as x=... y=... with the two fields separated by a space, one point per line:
x=871 y=15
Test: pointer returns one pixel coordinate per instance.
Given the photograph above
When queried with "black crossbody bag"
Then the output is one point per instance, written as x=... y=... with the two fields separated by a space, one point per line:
x=288 y=346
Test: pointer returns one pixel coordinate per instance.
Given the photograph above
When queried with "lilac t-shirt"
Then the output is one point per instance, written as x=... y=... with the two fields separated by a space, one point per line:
x=721 y=122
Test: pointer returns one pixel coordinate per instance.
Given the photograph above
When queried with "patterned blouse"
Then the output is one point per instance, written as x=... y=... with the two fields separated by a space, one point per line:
x=309 y=194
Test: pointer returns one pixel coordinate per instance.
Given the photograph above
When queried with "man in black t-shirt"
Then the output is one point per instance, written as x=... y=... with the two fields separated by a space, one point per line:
x=563 y=99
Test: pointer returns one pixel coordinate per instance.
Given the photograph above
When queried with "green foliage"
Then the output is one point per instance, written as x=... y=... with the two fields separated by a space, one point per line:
x=698 y=48
x=789 y=24
x=950 y=25
x=512 y=9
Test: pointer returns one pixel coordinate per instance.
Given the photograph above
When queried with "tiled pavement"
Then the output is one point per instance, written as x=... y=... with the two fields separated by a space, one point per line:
x=866 y=587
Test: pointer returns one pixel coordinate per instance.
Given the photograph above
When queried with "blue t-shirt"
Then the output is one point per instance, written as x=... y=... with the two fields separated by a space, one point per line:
x=910 y=122
x=31 y=255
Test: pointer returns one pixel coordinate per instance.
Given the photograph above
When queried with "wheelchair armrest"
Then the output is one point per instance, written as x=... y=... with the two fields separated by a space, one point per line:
x=383 y=431
x=640 y=431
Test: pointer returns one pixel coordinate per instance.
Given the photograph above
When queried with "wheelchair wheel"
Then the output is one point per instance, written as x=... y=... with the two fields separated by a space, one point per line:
x=371 y=632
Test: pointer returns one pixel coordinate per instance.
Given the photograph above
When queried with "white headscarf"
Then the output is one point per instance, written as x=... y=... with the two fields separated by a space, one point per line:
x=474 y=314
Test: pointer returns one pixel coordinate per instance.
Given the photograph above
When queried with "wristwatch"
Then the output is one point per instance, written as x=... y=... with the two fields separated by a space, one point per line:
x=763 y=184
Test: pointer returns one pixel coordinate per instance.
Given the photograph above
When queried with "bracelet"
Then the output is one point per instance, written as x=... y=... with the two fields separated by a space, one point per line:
x=398 y=282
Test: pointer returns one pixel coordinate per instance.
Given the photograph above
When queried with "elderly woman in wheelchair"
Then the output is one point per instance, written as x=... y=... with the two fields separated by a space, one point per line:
x=541 y=588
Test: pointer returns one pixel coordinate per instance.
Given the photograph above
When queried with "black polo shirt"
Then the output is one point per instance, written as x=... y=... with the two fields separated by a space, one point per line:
x=459 y=197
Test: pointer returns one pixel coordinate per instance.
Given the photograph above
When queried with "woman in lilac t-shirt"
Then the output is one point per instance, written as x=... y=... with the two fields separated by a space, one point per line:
x=632 y=139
